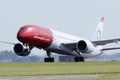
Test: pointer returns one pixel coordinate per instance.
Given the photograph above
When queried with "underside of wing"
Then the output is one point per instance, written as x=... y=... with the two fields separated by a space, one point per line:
x=73 y=46
x=105 y=49
x=70 y=45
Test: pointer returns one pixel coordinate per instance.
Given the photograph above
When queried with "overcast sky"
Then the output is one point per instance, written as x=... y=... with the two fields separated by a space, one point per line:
x=77 y=17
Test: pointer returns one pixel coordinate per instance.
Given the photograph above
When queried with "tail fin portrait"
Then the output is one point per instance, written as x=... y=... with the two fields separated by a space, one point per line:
x=99 y=29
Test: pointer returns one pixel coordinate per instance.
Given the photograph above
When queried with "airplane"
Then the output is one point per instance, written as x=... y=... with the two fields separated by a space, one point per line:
x=58 y=42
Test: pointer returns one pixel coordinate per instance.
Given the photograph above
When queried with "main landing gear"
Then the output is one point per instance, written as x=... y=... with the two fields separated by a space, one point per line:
x=79 y=59
x=49 y=58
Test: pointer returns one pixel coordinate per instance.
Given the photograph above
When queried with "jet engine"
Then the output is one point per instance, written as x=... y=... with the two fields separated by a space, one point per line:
x=20 y=50
x=85 y=46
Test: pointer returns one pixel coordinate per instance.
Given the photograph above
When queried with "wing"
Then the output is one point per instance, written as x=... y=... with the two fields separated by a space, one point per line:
x=104 y=42
x=95 y=43
x=7 y=42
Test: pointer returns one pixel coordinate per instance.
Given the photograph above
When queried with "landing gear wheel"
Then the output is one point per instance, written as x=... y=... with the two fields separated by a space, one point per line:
x=79 y=59
x=48 y=59
x=82 y=59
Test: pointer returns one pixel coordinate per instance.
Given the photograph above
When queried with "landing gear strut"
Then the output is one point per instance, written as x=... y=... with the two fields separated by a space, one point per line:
x=49 y=58
x=79 y=59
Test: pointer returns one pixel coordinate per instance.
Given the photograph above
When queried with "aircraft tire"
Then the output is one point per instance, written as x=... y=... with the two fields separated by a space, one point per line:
x=79 y=59
x=48 y=59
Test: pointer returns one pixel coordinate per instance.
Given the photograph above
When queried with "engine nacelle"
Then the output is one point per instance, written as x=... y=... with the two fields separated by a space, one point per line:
x=85 y=46
x=20 y=50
